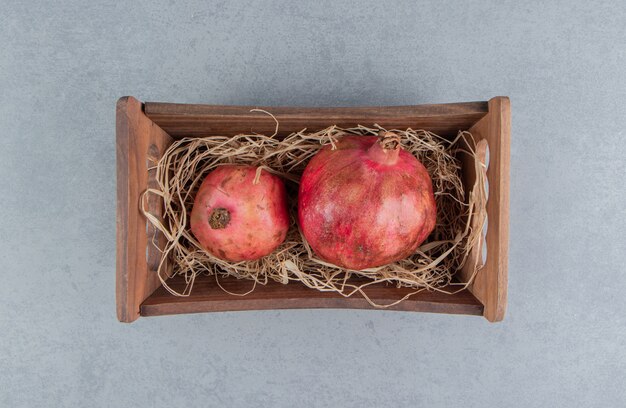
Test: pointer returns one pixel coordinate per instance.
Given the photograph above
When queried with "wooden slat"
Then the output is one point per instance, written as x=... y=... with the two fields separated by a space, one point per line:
x=490 y=284
x=208 y=297
x=137 y=138
x=180 y=120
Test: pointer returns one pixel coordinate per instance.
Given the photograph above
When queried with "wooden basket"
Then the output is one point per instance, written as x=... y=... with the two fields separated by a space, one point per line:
x=145 y=130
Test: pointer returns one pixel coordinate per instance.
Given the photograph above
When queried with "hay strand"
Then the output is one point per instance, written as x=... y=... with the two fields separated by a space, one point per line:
x=186 y=162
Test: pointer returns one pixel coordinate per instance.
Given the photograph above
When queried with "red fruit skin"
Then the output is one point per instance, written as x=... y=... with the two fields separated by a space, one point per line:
x=258 y=213
x=357 y=211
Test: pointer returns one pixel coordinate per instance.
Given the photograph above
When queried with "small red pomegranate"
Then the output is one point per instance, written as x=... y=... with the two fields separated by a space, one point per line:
x=367 y=203
x=235 y=219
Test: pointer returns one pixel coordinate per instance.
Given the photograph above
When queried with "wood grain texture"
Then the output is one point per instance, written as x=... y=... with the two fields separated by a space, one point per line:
x=208 y=297
x=180 y=120
x=137 y=139
x=490 y=284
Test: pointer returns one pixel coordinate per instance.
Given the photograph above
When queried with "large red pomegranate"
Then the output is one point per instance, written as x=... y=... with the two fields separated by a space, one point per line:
x=367 y=203
x=235 y=219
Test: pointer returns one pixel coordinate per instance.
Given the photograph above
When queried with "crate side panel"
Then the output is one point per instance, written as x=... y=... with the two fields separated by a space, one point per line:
x=181 y=120
x=207 y=296
x=490 y=284
x=137 y=139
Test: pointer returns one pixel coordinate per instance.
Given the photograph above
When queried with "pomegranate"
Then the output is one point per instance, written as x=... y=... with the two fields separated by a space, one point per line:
x=367 y=203
x=235 y=219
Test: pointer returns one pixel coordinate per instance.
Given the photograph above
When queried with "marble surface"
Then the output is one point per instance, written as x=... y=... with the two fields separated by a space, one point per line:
x=64 y=64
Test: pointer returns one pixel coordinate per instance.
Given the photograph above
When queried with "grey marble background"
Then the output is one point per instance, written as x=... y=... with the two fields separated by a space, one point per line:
x=64 y=64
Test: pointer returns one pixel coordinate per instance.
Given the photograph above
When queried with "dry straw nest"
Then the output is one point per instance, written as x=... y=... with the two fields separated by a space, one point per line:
x=186 y=162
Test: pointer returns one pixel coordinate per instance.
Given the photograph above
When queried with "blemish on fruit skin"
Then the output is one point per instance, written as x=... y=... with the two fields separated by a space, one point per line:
x=279 y=235
x=225 y=181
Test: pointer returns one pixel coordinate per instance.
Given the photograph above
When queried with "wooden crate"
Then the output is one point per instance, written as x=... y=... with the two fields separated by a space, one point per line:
x=145 y=130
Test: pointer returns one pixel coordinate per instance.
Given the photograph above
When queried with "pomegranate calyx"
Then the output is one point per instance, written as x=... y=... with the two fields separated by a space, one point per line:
x=219 y=218
x=387 y=149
